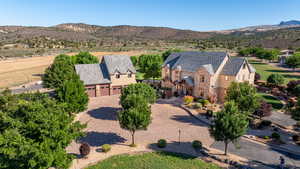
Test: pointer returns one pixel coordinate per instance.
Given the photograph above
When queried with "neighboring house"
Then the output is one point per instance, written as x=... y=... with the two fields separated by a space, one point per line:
x=204 y=74
x=109 y=77
x=284 y=54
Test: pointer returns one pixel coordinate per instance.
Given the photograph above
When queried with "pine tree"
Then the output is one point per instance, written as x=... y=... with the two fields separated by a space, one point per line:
x=72 y=92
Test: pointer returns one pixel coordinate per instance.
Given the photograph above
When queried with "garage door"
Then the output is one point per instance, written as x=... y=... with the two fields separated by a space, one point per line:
x=117 y=90
x=104 y=90
x=91 y=91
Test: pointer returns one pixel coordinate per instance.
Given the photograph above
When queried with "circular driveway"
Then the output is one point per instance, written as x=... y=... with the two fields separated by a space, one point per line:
x=167 y=120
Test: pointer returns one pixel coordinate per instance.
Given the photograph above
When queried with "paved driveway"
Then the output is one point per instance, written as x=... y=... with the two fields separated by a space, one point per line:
x=167 y=120
x=257 y=152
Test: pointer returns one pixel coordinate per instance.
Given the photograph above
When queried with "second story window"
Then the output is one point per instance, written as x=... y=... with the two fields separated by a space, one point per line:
x=117 y=76
x=202 y=79
x=129 y=75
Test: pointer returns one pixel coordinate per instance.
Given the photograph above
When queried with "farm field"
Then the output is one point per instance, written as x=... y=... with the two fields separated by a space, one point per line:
x=153 y=161
x=18 y=71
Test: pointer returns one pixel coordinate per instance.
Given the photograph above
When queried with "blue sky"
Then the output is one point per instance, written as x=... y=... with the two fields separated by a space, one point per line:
x=198 y=15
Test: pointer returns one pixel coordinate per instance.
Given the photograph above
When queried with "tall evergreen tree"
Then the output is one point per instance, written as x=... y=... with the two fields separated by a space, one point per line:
x=62 y=69
x=72 y=92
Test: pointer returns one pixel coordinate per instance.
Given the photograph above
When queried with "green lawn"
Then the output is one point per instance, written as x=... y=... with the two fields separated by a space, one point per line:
x=265 y=70
x=276 y=104
x=153 y=161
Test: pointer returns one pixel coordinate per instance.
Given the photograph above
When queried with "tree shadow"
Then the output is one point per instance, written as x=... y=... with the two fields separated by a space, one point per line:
x=183 y=150
x=292 y=76
x=278 y=71
x=189 y=119
x=104 y=113
x=99 y=138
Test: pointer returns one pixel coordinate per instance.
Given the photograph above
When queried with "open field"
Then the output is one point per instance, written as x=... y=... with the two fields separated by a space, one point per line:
x=265 y=70
x=18 y=71
x=153 y=161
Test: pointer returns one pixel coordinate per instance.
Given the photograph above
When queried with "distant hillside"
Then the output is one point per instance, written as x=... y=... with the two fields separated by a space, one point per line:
x=84 y=36
x=291 y=22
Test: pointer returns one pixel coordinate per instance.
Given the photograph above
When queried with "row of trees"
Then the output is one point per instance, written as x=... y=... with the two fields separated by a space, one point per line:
x=35 y=128
x=268 y=54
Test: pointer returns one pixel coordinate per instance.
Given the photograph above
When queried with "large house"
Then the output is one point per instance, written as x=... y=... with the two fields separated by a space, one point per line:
x=204 y=74
x=109 y=77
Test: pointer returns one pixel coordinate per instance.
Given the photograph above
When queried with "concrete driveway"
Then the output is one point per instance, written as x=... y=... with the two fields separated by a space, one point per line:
x=167 y=120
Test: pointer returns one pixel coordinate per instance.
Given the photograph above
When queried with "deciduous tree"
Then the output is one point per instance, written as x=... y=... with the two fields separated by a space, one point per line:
x=229 y=124
x=136 y=114
x=275 y=79
x=140 y=89
x=244 y=95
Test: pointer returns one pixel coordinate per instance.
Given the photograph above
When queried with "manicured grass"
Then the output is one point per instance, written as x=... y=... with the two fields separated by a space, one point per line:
x=153 y=161
x=276 y=104
x=139 y=75
x=265 y=70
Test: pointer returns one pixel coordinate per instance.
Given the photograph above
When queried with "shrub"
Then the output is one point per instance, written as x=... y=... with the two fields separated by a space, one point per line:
x=84 y=149
x=197 y=144
x=256 y=77
x=205 y=103
x=209 y=113
x=106 y=148
x=266 y=123
x=296 y=138
x=188 y=99
x=275 y=79
x=266 y=137
x=162 y=143
x=275 y=136
x=197 y=105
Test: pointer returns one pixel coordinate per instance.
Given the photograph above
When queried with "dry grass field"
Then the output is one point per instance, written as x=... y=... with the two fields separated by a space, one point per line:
x=15 y=72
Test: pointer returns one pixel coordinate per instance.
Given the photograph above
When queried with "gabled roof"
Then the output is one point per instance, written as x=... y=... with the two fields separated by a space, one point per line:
x=118 y=63
x=233 y=65
x=192 y=61
x=92 y=74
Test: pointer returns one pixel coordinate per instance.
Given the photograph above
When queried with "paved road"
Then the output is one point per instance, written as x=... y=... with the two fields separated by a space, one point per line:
x=33 y=87
x=258 y=152
x=281 y=119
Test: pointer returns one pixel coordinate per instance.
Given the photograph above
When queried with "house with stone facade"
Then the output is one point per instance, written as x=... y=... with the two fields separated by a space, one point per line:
x=108 y=77
x=204 y=74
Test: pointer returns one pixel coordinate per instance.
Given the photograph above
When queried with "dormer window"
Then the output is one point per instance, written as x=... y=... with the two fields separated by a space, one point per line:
x=129 y=75
x=117 y=76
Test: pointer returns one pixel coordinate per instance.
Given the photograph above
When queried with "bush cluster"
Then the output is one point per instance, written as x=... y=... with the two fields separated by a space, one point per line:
x=197 y=144
x=162 y=143
x=275 y=136
x=188 y=99
x=106 y=148
x=84 y=149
